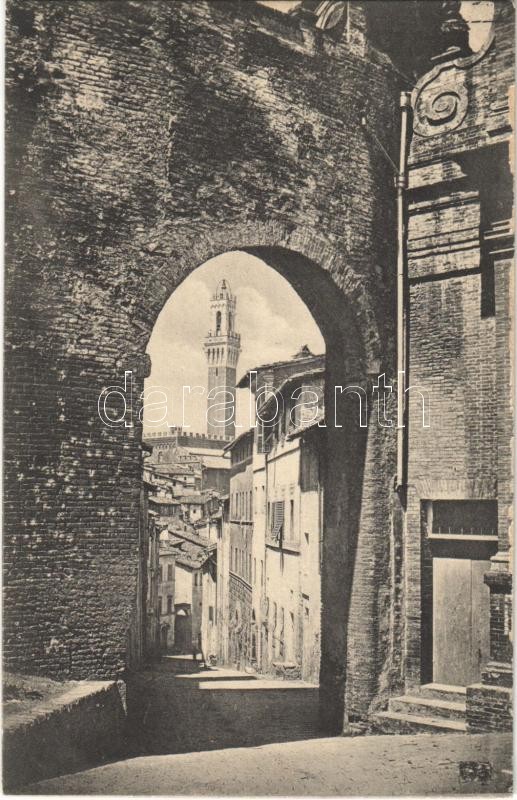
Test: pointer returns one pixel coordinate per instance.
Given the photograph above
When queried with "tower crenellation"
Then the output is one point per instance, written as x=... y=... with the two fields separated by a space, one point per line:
x=222 y=348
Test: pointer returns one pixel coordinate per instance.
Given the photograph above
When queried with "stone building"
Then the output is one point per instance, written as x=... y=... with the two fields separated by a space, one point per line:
x=194 y=461
x=274 y=530
x=144 y=633
x=238 y=542
x=209 y=609
x=222 y=583
x=292 y=484
x=190 y=554
x=455 y=539
x=186 y=593
x=132 y=159
x=266 y=644
x=166 y=591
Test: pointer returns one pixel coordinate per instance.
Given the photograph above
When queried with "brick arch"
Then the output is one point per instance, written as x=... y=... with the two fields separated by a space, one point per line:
x=355 y=552
x=316 y=269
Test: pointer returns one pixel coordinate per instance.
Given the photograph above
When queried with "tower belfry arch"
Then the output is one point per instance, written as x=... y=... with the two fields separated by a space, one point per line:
x=222 y=348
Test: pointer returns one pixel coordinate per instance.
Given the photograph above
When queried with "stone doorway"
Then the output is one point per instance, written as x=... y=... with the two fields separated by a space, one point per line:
x=183 y=631
x=459 y=539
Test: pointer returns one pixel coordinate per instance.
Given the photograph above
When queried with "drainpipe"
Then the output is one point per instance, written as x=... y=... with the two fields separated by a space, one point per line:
x=402 y=298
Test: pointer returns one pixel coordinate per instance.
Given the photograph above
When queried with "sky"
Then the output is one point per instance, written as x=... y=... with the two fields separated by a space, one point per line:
x=478 y=13
x=280 y=5
x=272 y=320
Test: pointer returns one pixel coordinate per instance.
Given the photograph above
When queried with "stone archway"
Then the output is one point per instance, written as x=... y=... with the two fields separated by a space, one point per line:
x=318 y=270
x=232 y=151
x=357 y=475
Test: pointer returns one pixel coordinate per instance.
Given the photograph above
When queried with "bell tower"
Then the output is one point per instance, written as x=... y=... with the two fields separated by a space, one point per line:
x=222 y=347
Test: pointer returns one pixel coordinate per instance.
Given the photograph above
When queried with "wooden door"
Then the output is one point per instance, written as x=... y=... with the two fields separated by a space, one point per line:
x=461 y=618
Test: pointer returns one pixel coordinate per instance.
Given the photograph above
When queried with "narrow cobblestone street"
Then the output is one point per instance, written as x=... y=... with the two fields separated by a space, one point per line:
x=369 y=765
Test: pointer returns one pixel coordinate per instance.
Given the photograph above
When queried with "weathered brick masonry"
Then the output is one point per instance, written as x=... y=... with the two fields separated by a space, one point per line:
x=143 y=139
x=460 y=264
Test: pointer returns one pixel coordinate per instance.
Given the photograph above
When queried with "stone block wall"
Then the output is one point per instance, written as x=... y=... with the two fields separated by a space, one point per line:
x=80 y=728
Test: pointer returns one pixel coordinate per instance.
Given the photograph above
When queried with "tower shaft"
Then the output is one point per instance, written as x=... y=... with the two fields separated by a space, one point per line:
x=222 y=348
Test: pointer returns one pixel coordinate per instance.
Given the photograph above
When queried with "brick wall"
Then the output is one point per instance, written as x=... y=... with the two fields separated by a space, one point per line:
x=460 y=196
x=500 y=614
x=489 y=708
x=144 y=139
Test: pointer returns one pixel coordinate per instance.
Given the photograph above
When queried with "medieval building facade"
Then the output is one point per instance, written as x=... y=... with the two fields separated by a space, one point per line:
x=277 y=136
x=293 y=488
x=271 y=544
x=237 y=578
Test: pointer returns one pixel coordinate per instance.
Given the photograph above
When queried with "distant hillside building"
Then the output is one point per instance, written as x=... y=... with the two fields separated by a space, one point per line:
x=193 y=461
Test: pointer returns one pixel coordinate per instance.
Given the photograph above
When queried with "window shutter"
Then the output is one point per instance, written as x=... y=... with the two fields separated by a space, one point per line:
x=277 y=527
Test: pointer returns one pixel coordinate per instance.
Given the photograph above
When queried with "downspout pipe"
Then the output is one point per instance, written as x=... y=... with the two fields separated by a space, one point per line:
x=402 y=297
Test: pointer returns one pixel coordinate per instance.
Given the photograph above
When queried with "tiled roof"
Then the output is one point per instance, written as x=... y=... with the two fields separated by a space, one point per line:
x=191 y=500
x=300 y=357
x=190 y=536
x=301 y=429
x=297 y=376
x=237 y=439
x=190 y=551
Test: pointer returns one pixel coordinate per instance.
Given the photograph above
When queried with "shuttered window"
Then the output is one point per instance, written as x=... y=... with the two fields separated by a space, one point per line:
x=277 y=520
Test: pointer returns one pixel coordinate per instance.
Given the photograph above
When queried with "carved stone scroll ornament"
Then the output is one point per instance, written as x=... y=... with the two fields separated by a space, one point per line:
x=441 y=106
x=441 y=98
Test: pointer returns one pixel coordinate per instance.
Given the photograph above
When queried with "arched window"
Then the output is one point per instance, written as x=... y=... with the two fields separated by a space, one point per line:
x=218 y=323
x=230 y=322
